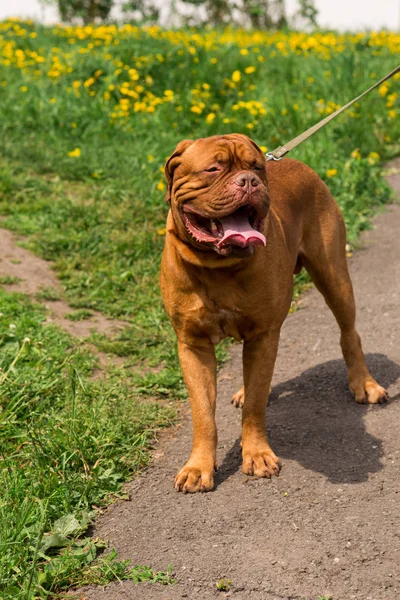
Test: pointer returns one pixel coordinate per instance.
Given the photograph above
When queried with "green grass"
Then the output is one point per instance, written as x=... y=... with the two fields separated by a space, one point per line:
x=79 y=315
x=67 y=442
x=48 y=293
x=67 y=445
x=8 y=280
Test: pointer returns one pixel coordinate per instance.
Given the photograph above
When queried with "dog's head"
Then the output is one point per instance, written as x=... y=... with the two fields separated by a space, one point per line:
x=218 y=191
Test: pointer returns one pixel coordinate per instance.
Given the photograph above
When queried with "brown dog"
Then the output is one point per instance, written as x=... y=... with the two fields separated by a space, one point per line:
x=237 y=230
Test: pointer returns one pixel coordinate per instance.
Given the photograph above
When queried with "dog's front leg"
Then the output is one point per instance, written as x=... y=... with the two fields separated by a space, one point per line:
x=259 y=356
x=199 y=368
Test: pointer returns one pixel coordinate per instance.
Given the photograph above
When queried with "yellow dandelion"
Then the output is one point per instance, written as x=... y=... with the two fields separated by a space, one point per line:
x=263 y=148
x=383 y=89
x=373 y=157
x=249 y=70
x=161 y=186
x=356 y=154
x=162 y=231
x=236 y=76
x=89 y=82
x=331 y=173
x=75 y=153
x=23 y=88
x=210 y=118
x=52 y=100
x=150 y=158
x=391 y=114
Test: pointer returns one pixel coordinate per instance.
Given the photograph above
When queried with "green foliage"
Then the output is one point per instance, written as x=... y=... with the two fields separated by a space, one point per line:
x=87 y=10
x=68 y=443
x=143 y=11
x=218 y=12
x=223 y=585
x=260 y=14
x=266 y=14
x=308 y=12
x=79 y=315
x=48 y=293
x=8 y=280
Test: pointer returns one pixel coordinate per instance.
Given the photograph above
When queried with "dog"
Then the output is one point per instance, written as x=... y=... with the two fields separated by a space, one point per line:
x=238 y=228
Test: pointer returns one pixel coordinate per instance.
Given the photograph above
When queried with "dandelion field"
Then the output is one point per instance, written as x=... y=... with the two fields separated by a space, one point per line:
x=88 y=116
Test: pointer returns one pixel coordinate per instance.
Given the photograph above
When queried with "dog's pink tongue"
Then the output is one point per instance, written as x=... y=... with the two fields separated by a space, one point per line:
x=238 y=231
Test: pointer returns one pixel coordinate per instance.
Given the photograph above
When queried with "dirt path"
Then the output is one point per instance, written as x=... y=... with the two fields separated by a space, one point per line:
x=331 y=523
x=34 y=275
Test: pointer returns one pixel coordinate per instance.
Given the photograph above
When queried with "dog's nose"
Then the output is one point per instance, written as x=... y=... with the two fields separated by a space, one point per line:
x=247 y=180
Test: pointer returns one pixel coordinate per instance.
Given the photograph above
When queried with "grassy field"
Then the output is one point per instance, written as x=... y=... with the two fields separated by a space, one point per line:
x=87 y=118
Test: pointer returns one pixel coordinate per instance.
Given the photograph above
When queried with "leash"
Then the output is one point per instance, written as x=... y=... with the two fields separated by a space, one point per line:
x=281 y=151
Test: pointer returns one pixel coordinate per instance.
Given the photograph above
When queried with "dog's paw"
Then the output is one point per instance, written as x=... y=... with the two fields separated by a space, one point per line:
x=238 y=399
x=370 y=392
x=261 y=462
x=191 y=479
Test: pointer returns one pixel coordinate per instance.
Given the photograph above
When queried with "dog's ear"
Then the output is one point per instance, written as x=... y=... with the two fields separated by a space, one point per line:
x=172 y=163
x=256 y=146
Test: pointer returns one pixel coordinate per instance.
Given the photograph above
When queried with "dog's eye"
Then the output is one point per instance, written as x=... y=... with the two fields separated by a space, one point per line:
x=211 y=170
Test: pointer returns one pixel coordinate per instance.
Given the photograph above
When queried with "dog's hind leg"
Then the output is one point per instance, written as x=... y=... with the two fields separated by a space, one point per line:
x=324 y=256
x=238 y=398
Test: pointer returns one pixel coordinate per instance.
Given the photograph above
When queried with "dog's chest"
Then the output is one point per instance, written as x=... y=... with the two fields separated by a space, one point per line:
x=222 y=310
x=219 y=319
x=222 y=323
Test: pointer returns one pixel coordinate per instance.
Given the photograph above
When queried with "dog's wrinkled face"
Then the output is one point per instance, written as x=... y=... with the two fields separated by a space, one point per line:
x=218 y=191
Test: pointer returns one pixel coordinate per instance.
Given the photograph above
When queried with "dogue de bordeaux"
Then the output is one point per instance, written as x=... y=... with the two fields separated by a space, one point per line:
x=238 y=228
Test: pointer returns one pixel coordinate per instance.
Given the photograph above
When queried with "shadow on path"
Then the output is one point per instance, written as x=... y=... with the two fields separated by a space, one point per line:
x=314 y=420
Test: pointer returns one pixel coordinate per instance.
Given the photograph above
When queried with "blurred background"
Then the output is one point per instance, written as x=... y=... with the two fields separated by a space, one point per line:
x=341 y=14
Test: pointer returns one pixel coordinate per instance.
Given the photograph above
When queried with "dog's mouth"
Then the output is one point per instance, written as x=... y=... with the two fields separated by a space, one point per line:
x=241 y=229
